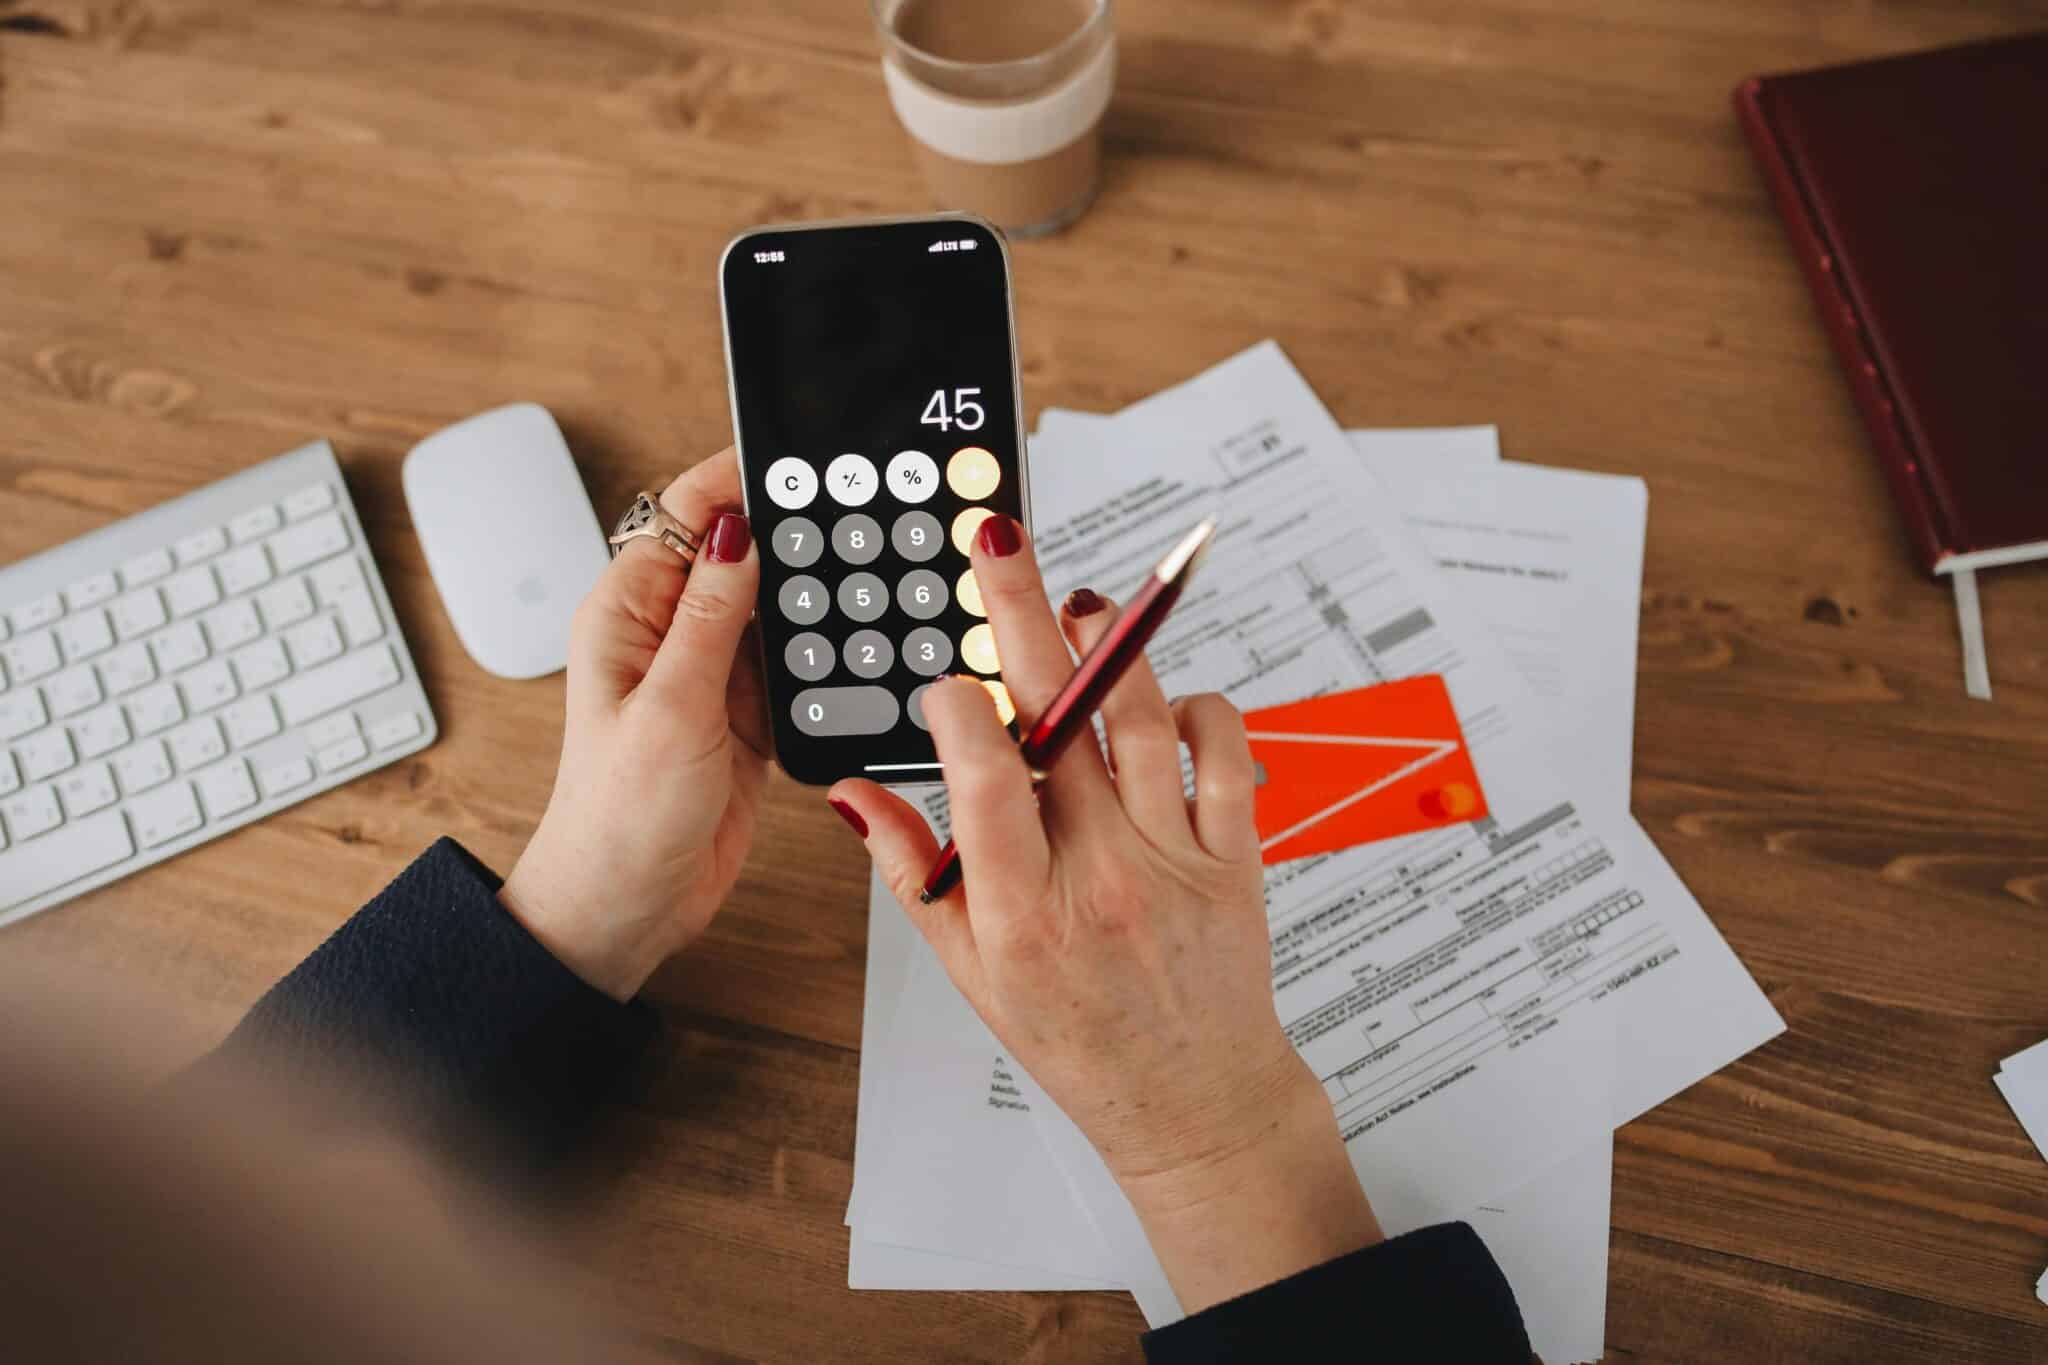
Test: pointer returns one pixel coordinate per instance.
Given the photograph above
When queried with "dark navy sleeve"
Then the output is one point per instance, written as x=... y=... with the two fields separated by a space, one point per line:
x=434 y=996
x=1433 y=1294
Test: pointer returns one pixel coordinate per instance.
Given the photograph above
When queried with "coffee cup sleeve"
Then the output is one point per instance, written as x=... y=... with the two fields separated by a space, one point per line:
x=1000 y=132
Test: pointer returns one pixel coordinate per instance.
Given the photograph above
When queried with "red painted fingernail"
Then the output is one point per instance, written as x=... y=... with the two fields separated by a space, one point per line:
x=729 y=538
x=1000 y=536
x=1084 y=602
x=849 y=815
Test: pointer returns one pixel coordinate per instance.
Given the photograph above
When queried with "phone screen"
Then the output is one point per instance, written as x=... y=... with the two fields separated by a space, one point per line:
x=875 y=401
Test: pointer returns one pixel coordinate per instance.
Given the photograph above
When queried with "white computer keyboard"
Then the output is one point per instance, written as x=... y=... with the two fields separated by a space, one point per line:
x=176 y=675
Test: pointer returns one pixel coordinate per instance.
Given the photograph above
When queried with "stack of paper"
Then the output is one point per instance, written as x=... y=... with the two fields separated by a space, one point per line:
x=2023 y=1079
x=1485 y=1003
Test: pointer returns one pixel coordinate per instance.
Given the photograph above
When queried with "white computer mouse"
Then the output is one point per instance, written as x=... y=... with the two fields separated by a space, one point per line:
x=509 y=534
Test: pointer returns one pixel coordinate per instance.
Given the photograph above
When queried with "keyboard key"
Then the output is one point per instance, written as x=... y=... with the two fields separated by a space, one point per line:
x=315 y=642
x=965 y=525
x=285 y=603
x=810 y=656
x=332 y=730
x=282 y=777
x=928 y=651
x=86 y=634
x=90 y=592
x=72 y=691
x=911 y=476
x=197 y=744
x=30 y=657
x=139 y=613
x=791 y=483
x=21 y=712
x=851 y=479
x=44 y=754
x=226 y=789
x=857 y=539
x=100 y=732
x=973 y=473
x=261 y=664
x=921 y=594
x=10 y=779
x=337 y=684
x=32 y=812
x=359 y=619
x=257 y=521
x=246 y=568
x=199 y=545
x=285 y=776
x=917 y=536
x=232 y=625
x=845 y=710
x=192 y=590
x=394 y=730
x=250 y=721
x=37 y=614
x=155 y=709
x=79 y=849
x=126 y=669
x=165 y=814
x=869 y=653
x=179 y=647
x=86 y=790
x=863 y=597
x=142 y=767
x=147 y=568
x=331 y=581
x=207 y=686
x=309 y=542
x=797 y=542
x=350 y=750
x=978 y=648
x=803 y=599
x=308 y=500
x=967 y=591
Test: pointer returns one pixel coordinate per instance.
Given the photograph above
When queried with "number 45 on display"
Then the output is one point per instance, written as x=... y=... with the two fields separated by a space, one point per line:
x=966 y=412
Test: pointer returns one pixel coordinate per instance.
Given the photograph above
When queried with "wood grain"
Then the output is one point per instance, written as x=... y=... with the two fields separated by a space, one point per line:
x=231 y=226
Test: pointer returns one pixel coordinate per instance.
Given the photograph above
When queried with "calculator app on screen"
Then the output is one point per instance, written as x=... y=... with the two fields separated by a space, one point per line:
x=875 y=399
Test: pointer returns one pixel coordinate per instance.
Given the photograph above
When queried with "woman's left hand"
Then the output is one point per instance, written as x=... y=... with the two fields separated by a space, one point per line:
x=664 y=749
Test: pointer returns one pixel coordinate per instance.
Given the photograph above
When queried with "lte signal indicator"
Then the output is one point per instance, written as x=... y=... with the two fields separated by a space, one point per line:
x=962 y=244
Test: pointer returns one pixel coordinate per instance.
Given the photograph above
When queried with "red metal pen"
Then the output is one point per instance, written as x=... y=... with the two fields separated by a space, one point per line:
x=1069 y=713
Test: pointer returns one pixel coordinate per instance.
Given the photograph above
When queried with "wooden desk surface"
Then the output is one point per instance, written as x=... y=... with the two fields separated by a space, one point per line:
x=229 y=227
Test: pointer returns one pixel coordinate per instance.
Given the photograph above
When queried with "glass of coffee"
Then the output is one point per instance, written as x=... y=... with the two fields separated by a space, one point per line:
x=1003 y=100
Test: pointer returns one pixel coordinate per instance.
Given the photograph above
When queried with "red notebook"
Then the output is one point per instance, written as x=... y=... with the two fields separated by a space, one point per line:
x=1915 y=190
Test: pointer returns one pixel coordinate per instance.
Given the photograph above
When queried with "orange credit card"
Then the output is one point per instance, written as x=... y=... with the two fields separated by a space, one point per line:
x=1352 y=767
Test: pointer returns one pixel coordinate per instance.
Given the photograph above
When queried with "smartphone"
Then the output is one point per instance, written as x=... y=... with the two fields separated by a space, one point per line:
x=873 y=371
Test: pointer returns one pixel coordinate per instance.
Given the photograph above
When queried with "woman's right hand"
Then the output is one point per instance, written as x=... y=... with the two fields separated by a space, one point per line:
x=1112 y=934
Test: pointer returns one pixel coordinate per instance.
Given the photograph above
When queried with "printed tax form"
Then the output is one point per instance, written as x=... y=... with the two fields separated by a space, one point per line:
x=1466 y=995
x=1537 y=551
x=1551 y=559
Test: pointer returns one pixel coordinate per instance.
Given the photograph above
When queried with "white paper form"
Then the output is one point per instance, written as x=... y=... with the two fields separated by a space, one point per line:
x=948 y=1167
x=1439 y=983
x=893 y=943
